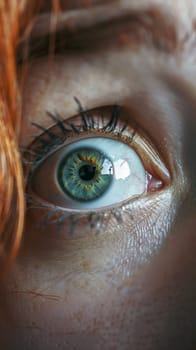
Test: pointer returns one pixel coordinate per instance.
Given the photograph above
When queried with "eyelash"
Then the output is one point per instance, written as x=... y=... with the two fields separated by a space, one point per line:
x=49 y=141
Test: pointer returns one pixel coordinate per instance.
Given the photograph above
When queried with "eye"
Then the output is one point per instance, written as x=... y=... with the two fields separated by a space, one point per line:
x=90 y=174
x=93 y=161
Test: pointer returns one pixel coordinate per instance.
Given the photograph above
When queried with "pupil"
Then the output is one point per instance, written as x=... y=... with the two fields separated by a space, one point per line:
x=87 y=172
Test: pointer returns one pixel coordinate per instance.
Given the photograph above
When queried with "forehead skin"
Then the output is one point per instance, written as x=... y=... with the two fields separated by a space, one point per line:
x=82 y=294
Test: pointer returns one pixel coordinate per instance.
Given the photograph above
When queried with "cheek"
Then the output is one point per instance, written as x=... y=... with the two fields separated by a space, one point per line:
x=89 y=288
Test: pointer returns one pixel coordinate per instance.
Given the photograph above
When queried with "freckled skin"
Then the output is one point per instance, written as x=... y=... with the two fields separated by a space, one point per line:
x=133 y=285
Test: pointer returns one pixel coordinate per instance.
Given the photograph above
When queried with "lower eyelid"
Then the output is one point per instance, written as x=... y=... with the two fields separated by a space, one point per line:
x=45 y=145
x=143 y=215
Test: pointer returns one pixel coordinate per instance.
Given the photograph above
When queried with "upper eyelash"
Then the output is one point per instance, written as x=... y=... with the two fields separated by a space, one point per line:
x=50 y=140
x=106 y=119
x=87 y=119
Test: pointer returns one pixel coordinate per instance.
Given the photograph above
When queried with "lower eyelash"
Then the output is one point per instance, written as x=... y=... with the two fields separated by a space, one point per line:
x=96 y=221
x=49 y=140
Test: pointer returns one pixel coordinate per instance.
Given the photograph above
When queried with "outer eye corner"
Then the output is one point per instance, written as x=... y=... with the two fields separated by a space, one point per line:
x=95 y=172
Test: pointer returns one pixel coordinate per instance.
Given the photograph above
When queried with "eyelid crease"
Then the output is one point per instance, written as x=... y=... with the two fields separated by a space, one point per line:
x=68 y=220
x=118 y=126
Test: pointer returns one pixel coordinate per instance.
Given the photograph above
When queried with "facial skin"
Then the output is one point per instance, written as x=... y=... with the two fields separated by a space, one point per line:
x=132 y=286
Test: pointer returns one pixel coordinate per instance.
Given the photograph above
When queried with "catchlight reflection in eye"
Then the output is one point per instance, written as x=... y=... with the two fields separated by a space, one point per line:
x=92 y=161
x=91 y=173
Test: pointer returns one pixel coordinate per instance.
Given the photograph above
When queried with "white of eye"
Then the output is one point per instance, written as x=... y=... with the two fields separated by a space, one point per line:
x=129 y=172
x=129 y=175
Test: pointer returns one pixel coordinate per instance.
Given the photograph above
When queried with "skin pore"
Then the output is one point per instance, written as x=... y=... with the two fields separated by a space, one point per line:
x=132 y=286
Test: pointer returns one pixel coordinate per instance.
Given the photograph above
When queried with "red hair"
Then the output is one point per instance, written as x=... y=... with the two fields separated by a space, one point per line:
x=12 y=202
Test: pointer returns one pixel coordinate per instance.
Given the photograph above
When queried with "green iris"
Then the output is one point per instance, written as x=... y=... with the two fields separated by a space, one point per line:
x=85 y=174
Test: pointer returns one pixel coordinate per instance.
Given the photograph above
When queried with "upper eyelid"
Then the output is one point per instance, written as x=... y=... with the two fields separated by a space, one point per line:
x=142 y=106
x=35 y=156
x=118 y=123
x=86 y=31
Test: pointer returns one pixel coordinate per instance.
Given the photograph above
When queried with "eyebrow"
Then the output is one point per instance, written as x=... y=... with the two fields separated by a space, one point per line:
x=98 y=28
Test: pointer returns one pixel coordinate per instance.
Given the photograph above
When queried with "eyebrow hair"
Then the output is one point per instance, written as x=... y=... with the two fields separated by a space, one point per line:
x=93 y=29
x=66 y=5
